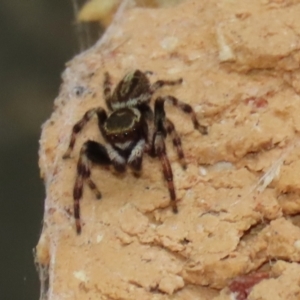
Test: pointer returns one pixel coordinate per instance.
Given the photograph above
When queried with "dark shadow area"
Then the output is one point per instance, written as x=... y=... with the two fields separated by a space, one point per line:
x=37 y=39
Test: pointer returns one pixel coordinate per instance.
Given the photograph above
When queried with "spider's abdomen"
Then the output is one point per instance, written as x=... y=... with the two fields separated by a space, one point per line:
x=122 y=125
x=130 y=91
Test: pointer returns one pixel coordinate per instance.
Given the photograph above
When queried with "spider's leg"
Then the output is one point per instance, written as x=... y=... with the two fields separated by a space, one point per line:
x=148 y=129
x=100 y=112
x=168 y=128
x=160 y=151
x=160 y=83
x=107 y=89
x=171 y=130
x=186 y=108
x=90 y=152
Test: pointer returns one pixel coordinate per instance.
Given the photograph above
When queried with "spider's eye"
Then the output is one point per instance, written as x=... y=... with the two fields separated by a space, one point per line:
x=126 y=133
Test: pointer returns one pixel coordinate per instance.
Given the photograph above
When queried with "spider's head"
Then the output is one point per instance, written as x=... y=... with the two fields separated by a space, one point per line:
x=123 y=126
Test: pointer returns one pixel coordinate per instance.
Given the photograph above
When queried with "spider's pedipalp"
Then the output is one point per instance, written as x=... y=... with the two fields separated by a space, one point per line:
x=97 y=153
x=136 y=156
x=117 y=160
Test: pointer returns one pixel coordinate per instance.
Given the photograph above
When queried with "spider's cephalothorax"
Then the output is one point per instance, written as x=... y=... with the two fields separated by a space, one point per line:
x=129 y=130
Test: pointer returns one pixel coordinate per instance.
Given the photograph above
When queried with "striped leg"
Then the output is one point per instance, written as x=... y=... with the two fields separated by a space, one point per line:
x=100 y=112
x=171 y=130
x=107 y=89
x=90 y=152
x=186 y=108
x=160 y=151
x=160 y=83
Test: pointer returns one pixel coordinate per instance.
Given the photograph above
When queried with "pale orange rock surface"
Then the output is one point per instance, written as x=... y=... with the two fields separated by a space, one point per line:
x=238 y=199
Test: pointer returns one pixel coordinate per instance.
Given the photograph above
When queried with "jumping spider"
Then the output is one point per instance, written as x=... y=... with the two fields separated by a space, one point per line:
x=129 y=130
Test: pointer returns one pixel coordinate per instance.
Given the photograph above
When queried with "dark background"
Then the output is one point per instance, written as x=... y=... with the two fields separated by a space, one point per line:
x=37 y=37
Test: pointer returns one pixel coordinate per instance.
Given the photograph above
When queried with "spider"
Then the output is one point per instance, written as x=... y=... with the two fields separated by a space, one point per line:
x=130 y=129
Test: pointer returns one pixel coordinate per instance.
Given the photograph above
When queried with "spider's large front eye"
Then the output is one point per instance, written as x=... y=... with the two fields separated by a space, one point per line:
x=126 y=134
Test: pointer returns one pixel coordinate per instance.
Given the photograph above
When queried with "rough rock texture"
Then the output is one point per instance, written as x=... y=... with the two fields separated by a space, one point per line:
x=238 y=199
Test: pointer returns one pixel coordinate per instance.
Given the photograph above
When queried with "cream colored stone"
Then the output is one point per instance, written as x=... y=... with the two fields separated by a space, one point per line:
x=240 y=190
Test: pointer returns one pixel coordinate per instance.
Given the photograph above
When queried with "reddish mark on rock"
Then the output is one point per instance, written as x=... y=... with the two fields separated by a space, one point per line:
x=241 y=286
x=256 y=102
x=51 y=210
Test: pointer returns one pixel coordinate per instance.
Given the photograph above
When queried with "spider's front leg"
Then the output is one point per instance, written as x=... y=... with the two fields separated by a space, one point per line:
x=91 y=152
x=101 y=114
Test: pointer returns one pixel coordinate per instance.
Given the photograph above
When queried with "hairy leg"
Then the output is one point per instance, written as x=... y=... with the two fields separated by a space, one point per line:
x=91 y=152
x=160 y=151
x=186 y=108
x=101 y=114
x=171 y=130
x=107 y=89
x=160 y=83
